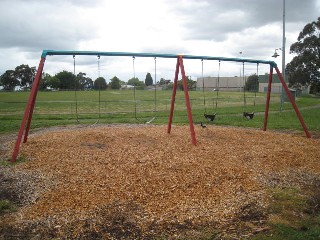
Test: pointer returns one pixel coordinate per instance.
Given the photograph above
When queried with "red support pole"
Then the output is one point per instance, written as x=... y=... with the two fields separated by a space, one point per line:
x=187 y=99
x=173 y=98
x=26 y=120
x=186 y=95
x=294 y=105
x=266 y=113
x=36 y=84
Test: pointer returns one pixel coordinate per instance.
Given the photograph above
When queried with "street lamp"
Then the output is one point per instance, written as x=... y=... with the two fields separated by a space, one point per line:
x=275 y=55
x=283 y=49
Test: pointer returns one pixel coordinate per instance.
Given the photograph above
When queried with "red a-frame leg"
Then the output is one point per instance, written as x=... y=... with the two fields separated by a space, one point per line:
x=294 y=105
x=27 y=116
x=187 y=99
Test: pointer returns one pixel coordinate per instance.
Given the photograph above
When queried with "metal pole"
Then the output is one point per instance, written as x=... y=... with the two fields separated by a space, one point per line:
x=283 y=53
x=266 y=112
x=240 y=73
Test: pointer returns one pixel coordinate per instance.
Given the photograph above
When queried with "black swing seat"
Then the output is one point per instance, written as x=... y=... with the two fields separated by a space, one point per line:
x=248 y=116
x=209 y=117
x=203 y=125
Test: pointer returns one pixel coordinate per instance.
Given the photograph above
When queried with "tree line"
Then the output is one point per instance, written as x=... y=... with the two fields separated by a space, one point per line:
x=22 y=76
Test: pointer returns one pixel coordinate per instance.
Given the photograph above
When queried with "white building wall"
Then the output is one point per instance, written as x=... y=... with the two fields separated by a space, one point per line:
x=275 y=87
x=225 y=83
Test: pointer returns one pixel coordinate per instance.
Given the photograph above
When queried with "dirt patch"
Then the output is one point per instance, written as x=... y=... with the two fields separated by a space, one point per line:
x=138 y=182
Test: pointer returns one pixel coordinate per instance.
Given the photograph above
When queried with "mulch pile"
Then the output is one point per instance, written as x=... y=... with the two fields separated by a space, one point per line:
x=135 y=181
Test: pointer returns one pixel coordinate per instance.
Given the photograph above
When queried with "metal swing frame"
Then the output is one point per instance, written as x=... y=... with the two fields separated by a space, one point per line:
x=27 y=116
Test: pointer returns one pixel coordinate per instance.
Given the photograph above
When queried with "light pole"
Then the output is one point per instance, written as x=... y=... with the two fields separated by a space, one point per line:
x=240 y=72
x=283 y=49
x=283 y=52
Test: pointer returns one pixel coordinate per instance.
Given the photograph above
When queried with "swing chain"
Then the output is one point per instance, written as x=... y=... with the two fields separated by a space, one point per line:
x=75 y=87
x=155 y=84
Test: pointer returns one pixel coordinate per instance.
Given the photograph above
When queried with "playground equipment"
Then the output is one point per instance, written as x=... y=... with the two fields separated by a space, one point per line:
x=27 y=117
x=212 y=116
x=76 y=90
x=155 y=93
x=246 y=114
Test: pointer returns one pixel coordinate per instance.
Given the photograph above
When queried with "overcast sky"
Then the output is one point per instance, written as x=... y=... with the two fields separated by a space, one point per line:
x=197 y=27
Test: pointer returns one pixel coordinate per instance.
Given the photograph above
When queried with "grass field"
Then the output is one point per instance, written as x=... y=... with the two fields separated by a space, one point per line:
x=65 y=107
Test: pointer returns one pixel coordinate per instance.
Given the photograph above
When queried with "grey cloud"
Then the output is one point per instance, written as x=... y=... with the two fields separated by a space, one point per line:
x=34 y=25
x=214 y=20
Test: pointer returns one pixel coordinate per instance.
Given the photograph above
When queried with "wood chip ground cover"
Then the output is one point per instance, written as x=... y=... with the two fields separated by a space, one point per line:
x=137 y=181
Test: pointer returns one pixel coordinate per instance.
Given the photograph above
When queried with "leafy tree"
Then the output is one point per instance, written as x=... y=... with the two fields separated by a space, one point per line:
x=148 y=81
x=304 y=68
x=190 y=83
x=85 y=82
x=252 y=83
x=49 y=81
x=115 y=83
x=25 y=75
x=9 y=81
x=67 y=80
x=136 y=82
x=44 y=81
x=100 y=84
x=54 y=82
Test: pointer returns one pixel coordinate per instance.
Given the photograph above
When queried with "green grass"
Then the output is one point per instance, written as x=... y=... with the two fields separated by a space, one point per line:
x=116 y=106
x=6 y=206
x=7 y=162
x=292 y=215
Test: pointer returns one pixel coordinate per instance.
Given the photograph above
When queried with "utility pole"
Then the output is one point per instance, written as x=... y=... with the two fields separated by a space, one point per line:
x=283 y=48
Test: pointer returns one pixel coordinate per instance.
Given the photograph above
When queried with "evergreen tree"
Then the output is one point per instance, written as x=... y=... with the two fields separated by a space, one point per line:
x=100 y=84
x=148 y=81
x=115 y=83
x=67 y=80
x=252 y=84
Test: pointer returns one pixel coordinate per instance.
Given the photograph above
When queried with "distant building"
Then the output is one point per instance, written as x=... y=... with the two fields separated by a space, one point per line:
x=126 y=86
x=234 y=84
x=228 y=84
x=276 y=86
x=154 y=87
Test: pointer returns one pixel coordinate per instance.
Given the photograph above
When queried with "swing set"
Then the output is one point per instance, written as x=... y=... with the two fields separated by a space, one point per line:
x=27 y=117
